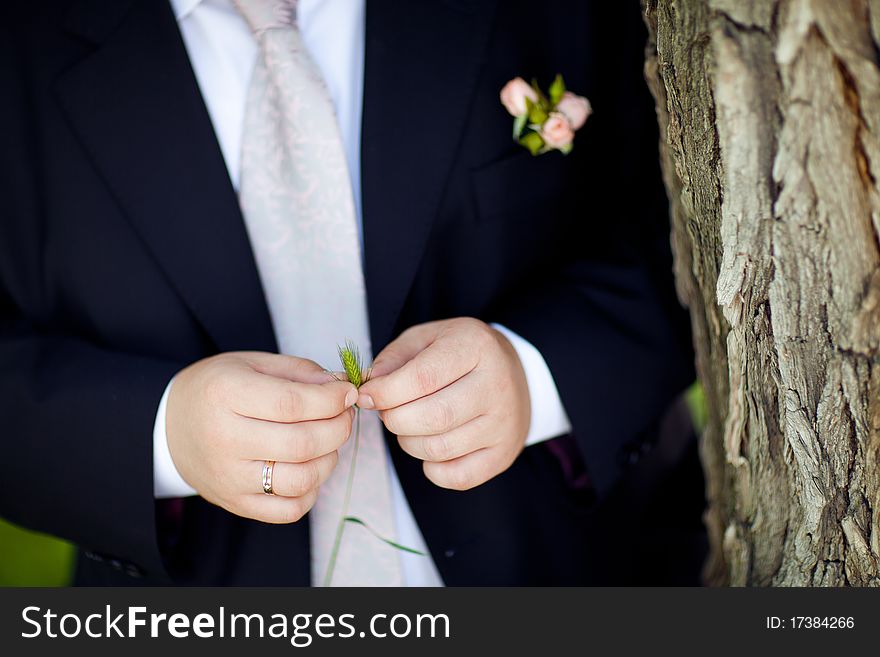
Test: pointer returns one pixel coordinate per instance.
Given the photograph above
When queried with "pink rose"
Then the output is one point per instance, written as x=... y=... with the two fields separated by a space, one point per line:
x=514 y=94
x=557 y=131
x=576 y=108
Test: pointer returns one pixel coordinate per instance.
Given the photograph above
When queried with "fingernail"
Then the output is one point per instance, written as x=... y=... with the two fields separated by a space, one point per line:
x=351 y=398
x=365 y=401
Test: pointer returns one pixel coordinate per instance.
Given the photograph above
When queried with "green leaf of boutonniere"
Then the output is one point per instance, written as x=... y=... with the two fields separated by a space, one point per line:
x=533 y=142
x=542 y=99
x=536 y=112
x=519 y=123
x=557 y=90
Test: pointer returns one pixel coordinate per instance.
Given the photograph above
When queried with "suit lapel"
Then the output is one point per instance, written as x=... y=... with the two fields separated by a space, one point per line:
x=135 y=105
x=421 y=66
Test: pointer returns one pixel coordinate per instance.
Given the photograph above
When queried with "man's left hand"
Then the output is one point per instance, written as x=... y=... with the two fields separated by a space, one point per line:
x=455 y=394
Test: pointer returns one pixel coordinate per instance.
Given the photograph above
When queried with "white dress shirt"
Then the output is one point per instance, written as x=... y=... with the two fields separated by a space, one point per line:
x=223 y=52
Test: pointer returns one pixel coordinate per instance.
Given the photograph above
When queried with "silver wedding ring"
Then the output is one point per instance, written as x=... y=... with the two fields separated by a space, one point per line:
x=268 y=467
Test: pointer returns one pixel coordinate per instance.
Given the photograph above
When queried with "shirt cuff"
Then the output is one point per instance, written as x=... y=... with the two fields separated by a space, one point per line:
x=549 y=419
x=167 y=481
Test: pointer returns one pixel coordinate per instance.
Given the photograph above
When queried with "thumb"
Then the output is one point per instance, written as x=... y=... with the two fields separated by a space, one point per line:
x=402 y=350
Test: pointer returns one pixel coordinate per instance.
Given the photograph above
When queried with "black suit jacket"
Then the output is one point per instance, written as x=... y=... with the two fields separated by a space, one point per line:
x=123 y=258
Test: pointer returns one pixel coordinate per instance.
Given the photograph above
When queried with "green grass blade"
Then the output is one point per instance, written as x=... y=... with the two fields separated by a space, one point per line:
x=358 y=521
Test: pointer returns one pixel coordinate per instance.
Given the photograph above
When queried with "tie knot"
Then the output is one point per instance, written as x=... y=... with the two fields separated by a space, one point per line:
x=263 y=15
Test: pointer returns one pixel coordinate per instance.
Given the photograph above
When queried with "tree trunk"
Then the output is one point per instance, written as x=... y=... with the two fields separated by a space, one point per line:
x=769 y=113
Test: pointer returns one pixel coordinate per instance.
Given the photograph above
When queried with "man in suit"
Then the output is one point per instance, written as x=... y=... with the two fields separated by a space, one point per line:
x=520 y=307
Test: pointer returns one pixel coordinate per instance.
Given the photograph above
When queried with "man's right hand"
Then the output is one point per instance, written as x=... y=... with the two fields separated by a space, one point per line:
x=230 y=413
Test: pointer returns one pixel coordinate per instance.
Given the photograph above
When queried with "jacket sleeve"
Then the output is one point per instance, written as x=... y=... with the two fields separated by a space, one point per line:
x=76 y=426
x=614 y=355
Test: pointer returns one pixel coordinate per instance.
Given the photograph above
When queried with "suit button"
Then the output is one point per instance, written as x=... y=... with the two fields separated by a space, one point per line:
x=631 y=454
x=133 y=571
x=94 y=556
x=449 y=553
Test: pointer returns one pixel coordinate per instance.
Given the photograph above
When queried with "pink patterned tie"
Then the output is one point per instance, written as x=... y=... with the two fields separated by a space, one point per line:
x=296 y=197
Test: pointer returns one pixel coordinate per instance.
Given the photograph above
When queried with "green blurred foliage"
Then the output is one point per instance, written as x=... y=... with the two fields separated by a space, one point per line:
x=31 y=559
x=696 y=401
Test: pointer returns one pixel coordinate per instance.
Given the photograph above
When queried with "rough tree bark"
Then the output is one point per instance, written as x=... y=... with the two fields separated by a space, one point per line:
x=769 y=113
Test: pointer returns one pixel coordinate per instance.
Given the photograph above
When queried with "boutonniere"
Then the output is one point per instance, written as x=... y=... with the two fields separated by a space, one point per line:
x=542 y=122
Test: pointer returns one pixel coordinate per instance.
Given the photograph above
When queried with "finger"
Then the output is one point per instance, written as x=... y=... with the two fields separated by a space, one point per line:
x=291 y=368
x=264 y=397
x=404 y=348
x=467 y=471
x=288 y=479
x=471 y=437
x=446 y=359
x=445 y=410
x=274 y=509
x=291 y=443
